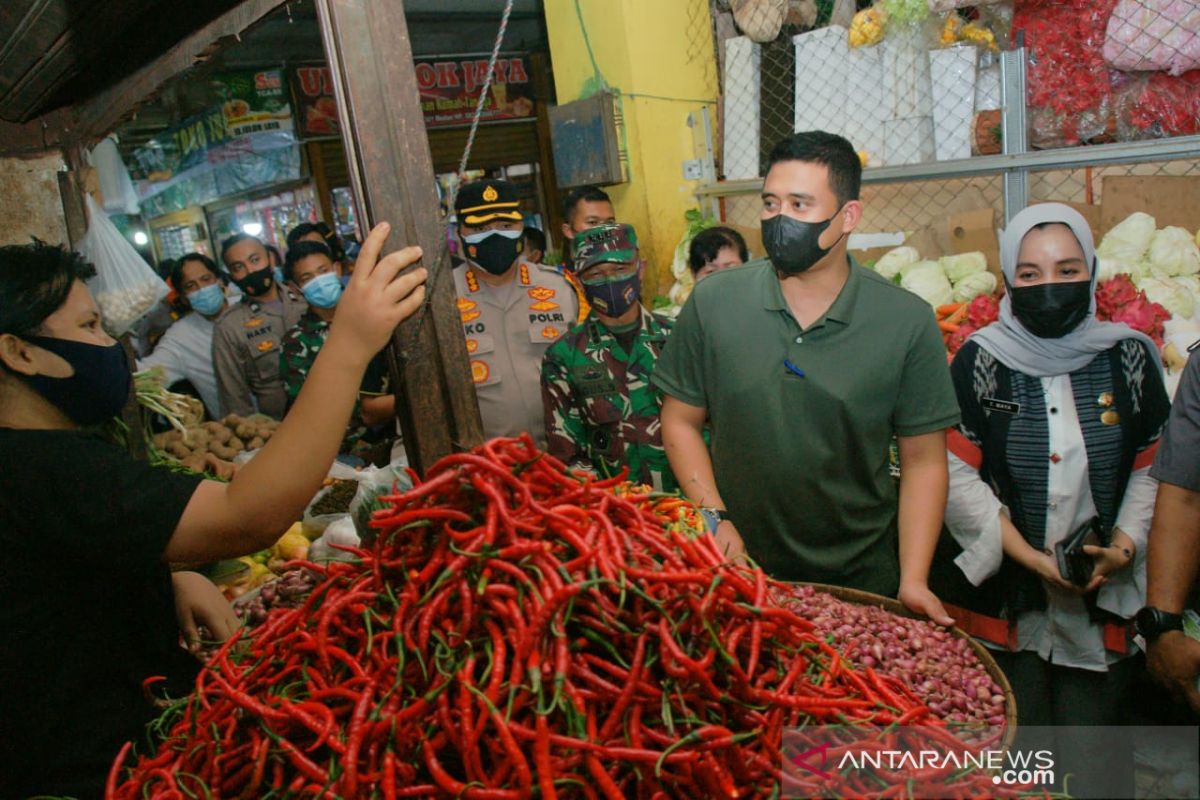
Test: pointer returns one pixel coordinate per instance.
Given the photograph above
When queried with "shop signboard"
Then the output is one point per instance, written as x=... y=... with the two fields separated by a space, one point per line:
x=316 y=108
x=450 y=85
x=255 y=101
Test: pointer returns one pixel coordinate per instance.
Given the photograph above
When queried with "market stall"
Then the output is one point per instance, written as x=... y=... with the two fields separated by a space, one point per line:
x=516 y=629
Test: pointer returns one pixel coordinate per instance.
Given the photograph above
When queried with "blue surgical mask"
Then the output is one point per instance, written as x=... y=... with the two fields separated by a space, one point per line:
x=280 y=280
x=207 y=301
x=323 y=291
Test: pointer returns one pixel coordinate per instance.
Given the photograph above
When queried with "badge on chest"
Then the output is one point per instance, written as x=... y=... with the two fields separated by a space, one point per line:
x=593 y=380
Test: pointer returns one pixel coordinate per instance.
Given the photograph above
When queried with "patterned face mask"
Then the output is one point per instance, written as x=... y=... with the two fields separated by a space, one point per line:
x=613 y=295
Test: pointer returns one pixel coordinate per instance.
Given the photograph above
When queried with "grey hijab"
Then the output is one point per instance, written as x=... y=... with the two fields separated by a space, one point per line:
x=1018 y=349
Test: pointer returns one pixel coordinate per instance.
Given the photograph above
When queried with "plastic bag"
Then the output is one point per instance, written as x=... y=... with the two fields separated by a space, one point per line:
x=374 y=482
x=1156 y=105
x=341 y=531
x=1069 y=92
x=1153 y=35
x=125 y=288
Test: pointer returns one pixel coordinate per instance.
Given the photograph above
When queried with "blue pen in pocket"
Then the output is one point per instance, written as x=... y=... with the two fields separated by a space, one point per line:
x=792 y=368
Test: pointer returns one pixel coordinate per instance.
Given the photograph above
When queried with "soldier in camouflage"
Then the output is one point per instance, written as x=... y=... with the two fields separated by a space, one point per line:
x=602 y=413
x=311 y=267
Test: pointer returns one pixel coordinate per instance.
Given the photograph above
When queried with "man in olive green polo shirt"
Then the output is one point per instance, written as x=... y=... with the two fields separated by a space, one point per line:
x=807 y=364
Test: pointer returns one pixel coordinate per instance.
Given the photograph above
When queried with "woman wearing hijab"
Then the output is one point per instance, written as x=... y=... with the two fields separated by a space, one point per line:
x=1061 y=415
x=88 y=605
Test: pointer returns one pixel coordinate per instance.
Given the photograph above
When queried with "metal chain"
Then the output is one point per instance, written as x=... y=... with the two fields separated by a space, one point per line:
x=436 y=266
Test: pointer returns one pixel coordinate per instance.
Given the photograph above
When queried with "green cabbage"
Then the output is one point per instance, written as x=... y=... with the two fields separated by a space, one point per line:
x=974 y=285
x=1173 y=251
x=1129 y=239
x=964 y=264
x=1169 y=294
x=926 y=280
x=893 y=261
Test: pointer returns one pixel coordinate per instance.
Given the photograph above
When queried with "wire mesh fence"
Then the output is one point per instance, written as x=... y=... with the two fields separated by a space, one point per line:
x=916 y=82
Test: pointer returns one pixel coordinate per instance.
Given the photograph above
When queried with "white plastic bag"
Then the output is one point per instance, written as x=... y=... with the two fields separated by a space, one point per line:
x=125 y=287
x=1149 y=35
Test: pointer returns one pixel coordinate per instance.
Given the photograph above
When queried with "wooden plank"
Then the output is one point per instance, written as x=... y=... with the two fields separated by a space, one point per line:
x=370 y=55
x=37 y=136
x=73 y=210
x=100 y=114
x=1170 y=200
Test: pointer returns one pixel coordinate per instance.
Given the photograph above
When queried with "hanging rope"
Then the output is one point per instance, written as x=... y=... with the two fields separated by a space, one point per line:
x=435 y=266
x=482 y=101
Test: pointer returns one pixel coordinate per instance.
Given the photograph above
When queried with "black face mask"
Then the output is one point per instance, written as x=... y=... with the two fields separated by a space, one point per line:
x=1052 y=310
x=99 y=387
x=256 y=284
x=792 y=245
x=496 y=251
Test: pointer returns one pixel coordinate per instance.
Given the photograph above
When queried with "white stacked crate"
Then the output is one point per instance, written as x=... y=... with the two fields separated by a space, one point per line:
x=742 y=116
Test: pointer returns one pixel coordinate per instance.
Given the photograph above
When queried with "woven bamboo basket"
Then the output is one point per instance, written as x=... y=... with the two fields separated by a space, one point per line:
x=993 y=669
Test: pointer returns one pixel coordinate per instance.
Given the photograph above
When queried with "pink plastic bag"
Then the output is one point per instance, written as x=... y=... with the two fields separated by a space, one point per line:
x=1153 y=35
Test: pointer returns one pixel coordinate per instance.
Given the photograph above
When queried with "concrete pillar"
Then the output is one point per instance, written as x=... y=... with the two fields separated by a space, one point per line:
x=658 y=57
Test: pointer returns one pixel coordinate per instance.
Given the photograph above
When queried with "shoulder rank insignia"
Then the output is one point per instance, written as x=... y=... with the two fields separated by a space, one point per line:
x=472 y=345
x=467 y=316
x=525 y=279
x=472 y=281
x=542 y=293
x=464 y=304
x=550 y=332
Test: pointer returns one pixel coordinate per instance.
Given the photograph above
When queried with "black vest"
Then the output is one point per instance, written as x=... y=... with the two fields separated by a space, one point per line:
x=1122 y=407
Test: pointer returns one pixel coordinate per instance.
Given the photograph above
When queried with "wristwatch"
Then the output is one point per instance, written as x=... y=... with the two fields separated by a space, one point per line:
x=713 y=517
x=1152 y=622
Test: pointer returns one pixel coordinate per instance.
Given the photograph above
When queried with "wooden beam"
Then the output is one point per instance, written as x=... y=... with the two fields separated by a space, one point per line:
x=48 y=132
x=383 y=128
x=99 y=115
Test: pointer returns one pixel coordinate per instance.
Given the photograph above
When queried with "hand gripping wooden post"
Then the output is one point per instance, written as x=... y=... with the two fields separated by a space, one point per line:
x=387 y=149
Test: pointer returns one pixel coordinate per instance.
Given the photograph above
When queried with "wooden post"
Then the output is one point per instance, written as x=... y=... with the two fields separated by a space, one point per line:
x=387 y=149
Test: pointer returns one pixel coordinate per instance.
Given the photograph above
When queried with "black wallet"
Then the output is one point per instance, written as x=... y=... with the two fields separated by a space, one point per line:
x=1074 y=564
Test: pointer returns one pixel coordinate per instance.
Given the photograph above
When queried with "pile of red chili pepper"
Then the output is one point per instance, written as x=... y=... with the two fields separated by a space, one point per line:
x=518 y=630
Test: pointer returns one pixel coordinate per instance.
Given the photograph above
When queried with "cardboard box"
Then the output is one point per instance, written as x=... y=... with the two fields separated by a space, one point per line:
x=1170 y=200
x=971 y=231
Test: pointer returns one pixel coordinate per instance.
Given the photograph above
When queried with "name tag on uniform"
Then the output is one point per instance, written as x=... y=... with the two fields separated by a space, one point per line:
x=593 y=381
x=1002 y=406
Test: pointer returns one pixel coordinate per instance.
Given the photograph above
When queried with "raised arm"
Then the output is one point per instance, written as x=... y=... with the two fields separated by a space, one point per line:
x=269 y=493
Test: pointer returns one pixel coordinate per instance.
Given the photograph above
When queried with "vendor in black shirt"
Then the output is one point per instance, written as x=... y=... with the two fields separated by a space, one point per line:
x=88 y=606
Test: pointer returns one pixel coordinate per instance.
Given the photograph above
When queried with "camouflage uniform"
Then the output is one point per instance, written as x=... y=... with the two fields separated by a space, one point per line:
x=602 y=413
x=297 y=354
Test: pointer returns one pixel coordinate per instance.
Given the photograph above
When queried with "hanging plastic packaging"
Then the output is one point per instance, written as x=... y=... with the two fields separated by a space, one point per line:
x=125 y=287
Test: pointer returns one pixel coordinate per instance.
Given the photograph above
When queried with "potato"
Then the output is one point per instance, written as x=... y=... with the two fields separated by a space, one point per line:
x=245 y=431
x=160 y=441
x=236 y=445
x=232 y=421
x=222 y=451
x=214 y=428
x=223 y=435
x=179 y=450
x=255 y=443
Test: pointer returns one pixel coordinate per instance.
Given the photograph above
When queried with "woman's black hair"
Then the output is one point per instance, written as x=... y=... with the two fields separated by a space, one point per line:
x=209 y=264
x=301 y=250
x=709 y=242
x=535 y=237
x=35 y=280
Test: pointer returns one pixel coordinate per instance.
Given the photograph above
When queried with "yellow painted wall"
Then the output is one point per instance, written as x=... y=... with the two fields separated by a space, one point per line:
x=657 y=55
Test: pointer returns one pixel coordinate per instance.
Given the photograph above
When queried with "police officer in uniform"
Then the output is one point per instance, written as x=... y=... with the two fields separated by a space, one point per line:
x=511 y=310
x=246 y=341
